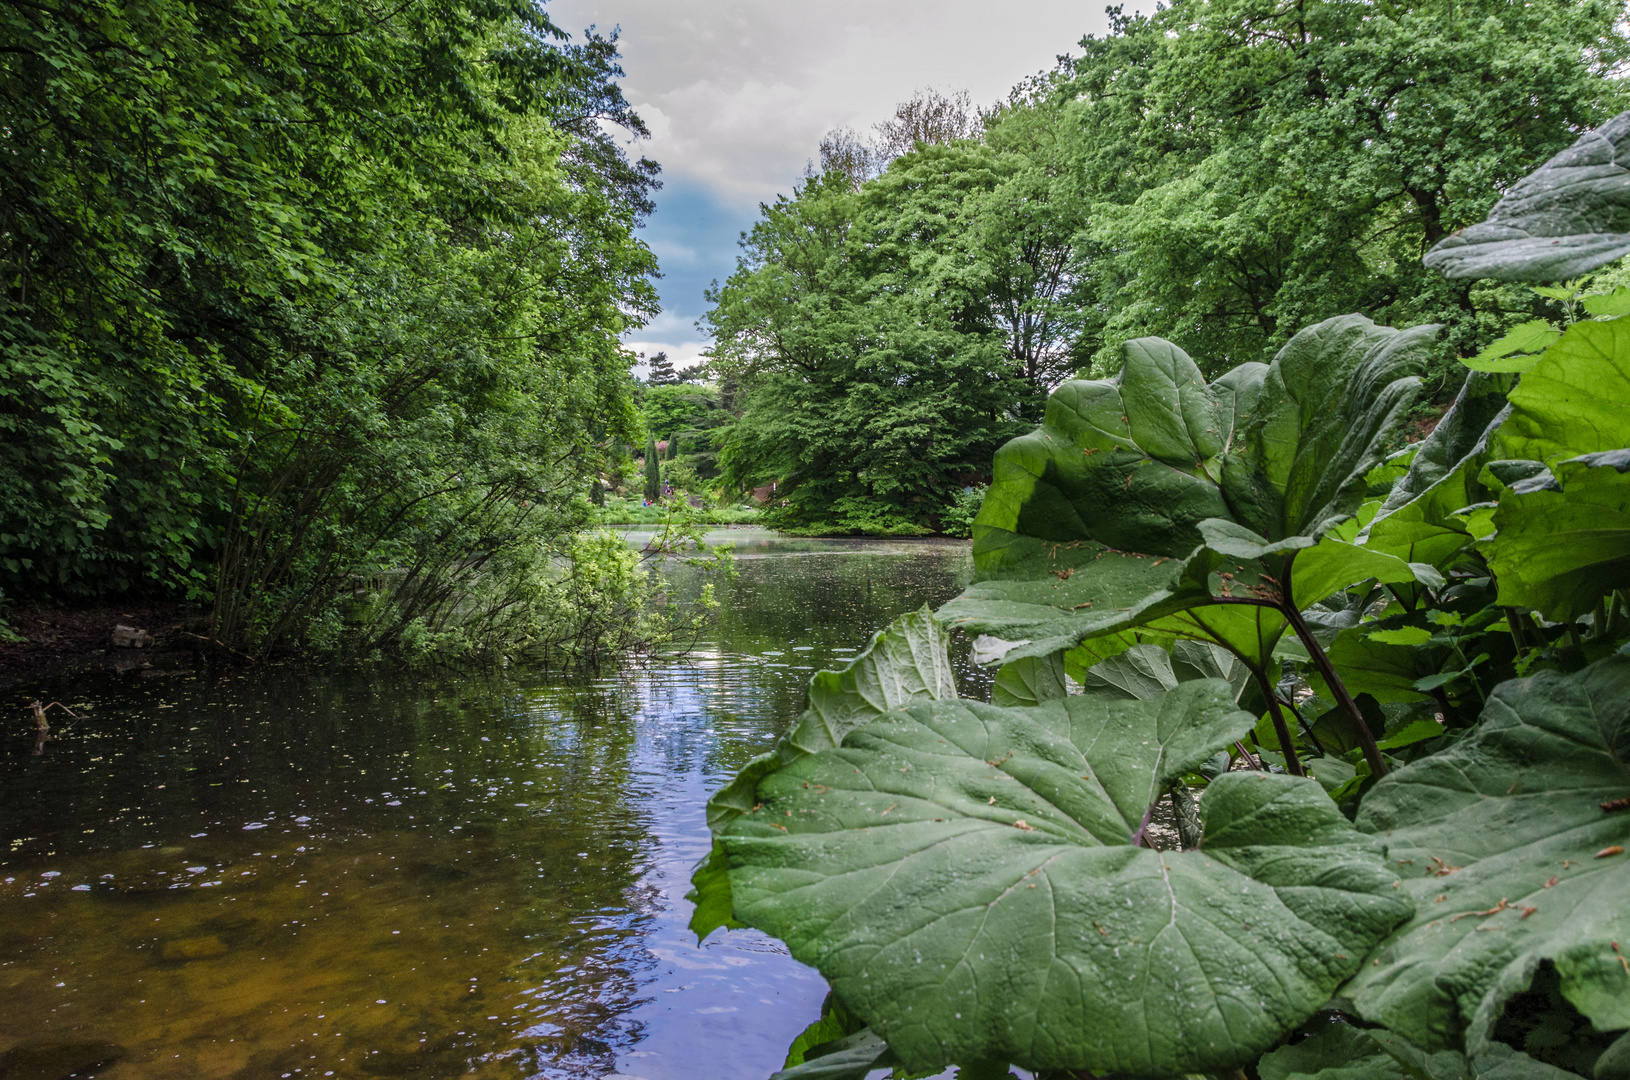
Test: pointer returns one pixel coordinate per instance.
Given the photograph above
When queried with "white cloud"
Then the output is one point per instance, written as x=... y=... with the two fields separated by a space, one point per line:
x=737 y=93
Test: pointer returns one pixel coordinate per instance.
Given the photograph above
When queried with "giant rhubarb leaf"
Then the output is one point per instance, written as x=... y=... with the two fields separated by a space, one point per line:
x=1420 y=521
x=905 y=663
x=1563 y=539
x=1575 y=400
x=1152 y=495
x=964 y=877
x=1566 y=218
x=1512 y=846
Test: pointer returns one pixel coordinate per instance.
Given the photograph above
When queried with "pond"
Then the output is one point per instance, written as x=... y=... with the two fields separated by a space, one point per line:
x=298 y=872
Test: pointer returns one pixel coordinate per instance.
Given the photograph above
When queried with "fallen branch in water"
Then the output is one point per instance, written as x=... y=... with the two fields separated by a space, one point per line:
x=42 y=726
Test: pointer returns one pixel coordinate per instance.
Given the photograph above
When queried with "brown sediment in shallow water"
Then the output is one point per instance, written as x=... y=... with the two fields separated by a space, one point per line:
x=345 y=957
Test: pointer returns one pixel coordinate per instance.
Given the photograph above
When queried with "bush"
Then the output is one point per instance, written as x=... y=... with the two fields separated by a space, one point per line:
x=958 y=517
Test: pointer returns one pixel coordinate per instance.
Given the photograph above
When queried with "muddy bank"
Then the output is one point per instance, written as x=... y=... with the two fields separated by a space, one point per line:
x=61 y=639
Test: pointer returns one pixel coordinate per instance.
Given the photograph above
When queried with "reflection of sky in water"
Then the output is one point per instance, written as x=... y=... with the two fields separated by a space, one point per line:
x=307 y=873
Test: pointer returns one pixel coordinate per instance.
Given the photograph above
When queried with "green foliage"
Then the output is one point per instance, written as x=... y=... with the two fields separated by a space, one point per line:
x=948 y=833
x=957 y=519
x=653 y=471
x=619 y=511
x=869 y=385
x=1500 y=841
x=677 y=407
x=280 y=323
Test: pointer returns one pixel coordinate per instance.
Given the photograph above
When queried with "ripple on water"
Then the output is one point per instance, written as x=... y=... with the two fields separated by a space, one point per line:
x=306 y=872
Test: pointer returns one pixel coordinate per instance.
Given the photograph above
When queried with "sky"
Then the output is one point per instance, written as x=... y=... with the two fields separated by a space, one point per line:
x=737 y=94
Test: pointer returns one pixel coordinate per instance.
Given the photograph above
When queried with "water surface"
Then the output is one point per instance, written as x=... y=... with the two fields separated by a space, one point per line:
x=293 y=872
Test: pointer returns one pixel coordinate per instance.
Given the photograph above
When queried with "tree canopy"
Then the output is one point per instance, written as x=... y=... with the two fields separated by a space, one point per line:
x=1217 y=174
x=294 y=292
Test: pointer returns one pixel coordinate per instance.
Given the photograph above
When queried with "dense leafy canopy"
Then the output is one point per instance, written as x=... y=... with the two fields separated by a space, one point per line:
x=868 y=387
x=302 y=294
x=1259 y=167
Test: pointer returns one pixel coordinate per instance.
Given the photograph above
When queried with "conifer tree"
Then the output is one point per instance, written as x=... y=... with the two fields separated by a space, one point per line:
x=662 y=371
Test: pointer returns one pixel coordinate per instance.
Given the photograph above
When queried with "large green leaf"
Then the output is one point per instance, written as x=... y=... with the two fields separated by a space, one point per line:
x=1339 y=1052
x=1344 y=1052
x=1575 y=400
x=1419 y=520
x=1563 y=540
x=1146 y=670
x=1332 y=398
x=904 y=663
x=1030 y=681
x=1564 y=219
x=850 y=1057
x=1508 y=850
x=1385 y=671
x=1093 y=521
x=962 y=875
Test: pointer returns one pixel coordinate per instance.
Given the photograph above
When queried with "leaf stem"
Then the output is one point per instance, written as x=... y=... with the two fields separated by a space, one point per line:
x=1307 y=729
x=1344 y=700
x=1287 y=745
x=1516 y=624
x=1139 y=838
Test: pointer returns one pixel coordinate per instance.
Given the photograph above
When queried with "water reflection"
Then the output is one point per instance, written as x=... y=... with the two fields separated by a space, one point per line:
x=304 y=873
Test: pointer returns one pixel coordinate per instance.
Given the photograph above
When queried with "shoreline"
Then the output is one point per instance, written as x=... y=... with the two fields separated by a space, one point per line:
x=65 y=639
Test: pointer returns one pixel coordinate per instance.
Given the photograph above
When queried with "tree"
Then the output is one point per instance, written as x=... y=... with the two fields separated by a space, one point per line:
x=679 y=407
x=849 y=154
x=928 y=118
x=276 y=317
x=868 y=391
x=661 y=371
x=1259 y=167
x=653 y=471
